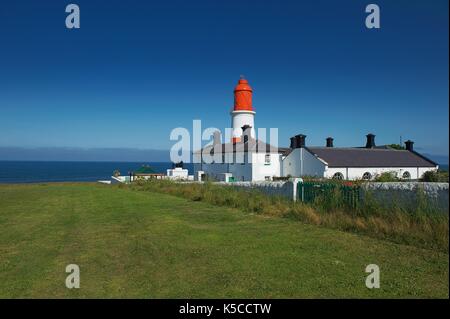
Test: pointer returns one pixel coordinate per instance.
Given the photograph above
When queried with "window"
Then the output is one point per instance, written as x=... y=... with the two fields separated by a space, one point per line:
x=338 y=175
x=406 y=175
x=267 y=178
x=267 y=159
x=367 y=176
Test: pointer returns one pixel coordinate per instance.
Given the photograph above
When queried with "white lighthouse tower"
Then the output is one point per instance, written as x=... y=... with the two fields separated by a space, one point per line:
x=242 y=113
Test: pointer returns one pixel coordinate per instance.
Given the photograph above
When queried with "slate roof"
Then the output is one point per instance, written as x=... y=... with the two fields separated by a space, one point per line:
x=252 y=145
x=370 y=157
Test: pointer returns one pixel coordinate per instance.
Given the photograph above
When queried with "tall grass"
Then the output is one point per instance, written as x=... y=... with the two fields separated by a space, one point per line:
x=421 y=226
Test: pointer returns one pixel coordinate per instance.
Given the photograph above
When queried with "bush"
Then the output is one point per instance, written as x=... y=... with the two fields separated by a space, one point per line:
x=435 y=176
x=386 y=177
x=396 y=146
x=280 y=178
x=430 y=176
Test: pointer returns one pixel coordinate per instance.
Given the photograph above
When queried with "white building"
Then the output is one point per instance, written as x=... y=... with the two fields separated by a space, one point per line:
x=178 y=173
x=353 y=163
x=248 y=160
x=245 y=158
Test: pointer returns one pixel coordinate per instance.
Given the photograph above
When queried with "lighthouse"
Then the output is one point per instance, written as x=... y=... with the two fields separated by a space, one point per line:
x=264 y=162
x=242 y=113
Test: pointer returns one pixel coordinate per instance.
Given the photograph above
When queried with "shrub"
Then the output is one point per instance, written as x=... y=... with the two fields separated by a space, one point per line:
x=280 y=178
x=435 y=176
x=386 y=177
x=396 y=146
x=430 y=176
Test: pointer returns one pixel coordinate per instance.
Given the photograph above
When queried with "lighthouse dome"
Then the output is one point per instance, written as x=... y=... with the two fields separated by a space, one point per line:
x=243 y=86
x=243 y=96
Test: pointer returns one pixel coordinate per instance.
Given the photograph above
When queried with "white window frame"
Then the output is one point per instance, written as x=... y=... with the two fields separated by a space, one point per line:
x=369 y=177
x=267 y=159
x=408 y=173
x=338 y=174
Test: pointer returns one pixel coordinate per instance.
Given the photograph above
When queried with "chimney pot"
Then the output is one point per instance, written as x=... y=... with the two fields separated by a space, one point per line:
x=370 y=140
x=293 y=142
x=300 y=140
x=329 y=142
x=409 y=145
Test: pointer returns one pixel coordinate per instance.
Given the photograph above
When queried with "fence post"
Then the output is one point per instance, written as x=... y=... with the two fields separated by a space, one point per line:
x=295 y=181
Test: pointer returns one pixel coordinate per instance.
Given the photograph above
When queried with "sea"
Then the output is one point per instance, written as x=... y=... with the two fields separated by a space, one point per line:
x=39 y=172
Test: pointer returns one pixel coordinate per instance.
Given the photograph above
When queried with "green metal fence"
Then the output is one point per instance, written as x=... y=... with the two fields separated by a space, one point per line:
x=309 y=192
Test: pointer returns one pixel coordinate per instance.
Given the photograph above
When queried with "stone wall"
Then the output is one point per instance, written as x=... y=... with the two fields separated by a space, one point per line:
x=403 y=194
x=408 y=194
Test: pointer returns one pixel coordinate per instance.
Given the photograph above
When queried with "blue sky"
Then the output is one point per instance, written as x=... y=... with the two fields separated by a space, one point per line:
x=136 y=70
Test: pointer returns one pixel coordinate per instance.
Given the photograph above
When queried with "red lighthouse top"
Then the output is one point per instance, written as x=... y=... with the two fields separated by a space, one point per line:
x=243 y=96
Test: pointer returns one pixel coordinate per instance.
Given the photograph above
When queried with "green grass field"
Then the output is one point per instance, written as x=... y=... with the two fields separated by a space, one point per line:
x=147 y=245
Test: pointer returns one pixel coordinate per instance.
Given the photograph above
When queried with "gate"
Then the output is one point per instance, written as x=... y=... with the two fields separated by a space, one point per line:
x=309 y=192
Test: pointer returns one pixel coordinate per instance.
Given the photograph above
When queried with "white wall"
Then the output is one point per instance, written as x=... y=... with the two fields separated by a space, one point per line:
x=291 y=164
x=405 y=194
x=353 y=173
x=177 y=173
x=240 y=171
x=260 y=169
x=300 y=163
x=312 y=166
x=253 y=169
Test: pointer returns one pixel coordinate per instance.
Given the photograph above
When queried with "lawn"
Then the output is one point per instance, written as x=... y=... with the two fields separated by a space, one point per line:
x=146 y=245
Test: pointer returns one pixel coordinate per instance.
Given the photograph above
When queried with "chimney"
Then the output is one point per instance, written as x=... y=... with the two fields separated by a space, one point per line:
x=329 y=142
x=293 y=142
x=370 y=141
x=217 y=139
x=179 y=164
x=409 y=145
x=300 y=140
x=246 y=132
